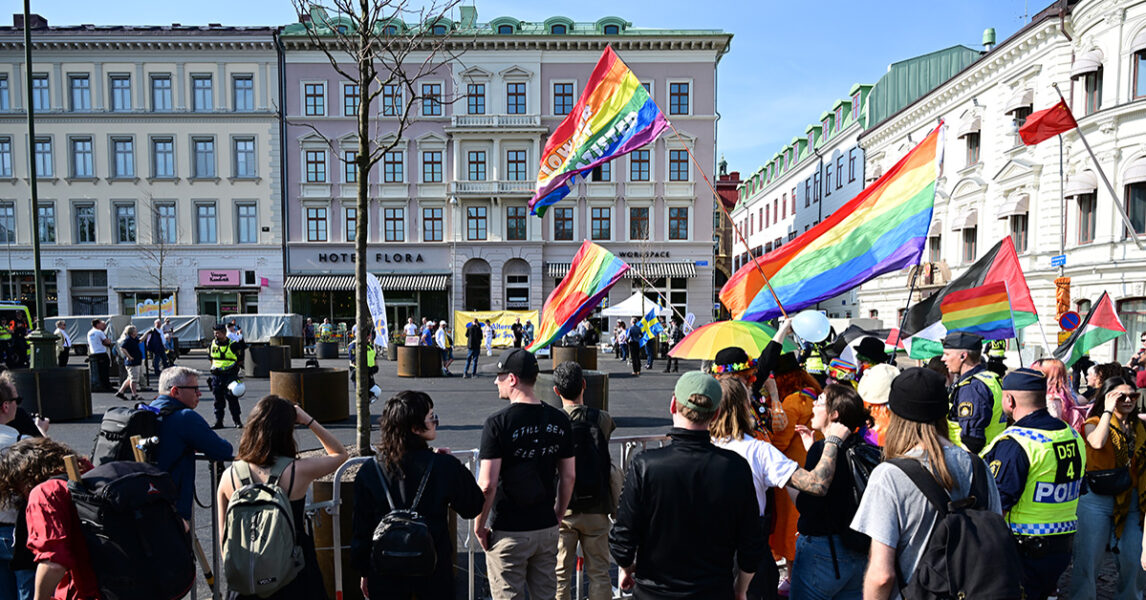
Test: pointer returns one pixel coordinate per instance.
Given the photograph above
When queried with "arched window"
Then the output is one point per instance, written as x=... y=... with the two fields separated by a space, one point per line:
x=612 y=30
x=390 y=30
x=475 y=277
x=439 y=30
x=505 y=29
x=559 y=29
x=516 y=274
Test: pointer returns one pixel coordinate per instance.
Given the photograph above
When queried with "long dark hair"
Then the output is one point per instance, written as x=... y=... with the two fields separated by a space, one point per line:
x=1099 y=405
x=404 y=414
x=846 y=401
x=269 y=432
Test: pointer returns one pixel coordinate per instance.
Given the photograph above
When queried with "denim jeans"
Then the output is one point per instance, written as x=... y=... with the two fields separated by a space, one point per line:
x=14 y=585
x=1095 y=534
x=471 y=356
x=813 y=576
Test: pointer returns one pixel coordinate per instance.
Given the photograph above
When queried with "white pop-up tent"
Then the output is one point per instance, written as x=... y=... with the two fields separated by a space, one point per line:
x=638 y=305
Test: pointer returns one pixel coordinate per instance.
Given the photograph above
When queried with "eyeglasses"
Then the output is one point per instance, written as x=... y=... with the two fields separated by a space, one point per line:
x=194 y=388
x=18 y=400
x=433 y=420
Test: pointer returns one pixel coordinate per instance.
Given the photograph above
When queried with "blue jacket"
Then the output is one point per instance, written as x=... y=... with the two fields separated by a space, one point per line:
x=181 y=434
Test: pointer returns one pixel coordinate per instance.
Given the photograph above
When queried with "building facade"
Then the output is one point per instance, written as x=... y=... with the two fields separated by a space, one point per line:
x=993 y=186
x=156 y=148
x=449 y=223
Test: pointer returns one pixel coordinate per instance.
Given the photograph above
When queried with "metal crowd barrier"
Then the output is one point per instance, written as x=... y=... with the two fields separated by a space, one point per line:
x=623 y=449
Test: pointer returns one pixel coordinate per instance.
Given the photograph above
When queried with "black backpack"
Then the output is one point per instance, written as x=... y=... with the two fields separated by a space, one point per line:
x=591 y=451
x=971 y=552
x=138 y=545
x=860 y=459
x=402 y=544
x=120 y=424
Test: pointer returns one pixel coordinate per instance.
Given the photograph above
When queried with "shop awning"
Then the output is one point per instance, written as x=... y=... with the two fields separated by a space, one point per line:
x=970 y=126
x=1135 y=173
x=1085 y=182
x=649 y=270
x=1022 y=99
x=1086 y=63
x=1015 y=205
x=936 y=228
x=389 y=281
x=965 y=220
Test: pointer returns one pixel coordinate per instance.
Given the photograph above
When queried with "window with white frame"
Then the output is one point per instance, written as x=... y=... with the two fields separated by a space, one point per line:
x=163 y=158
x=8 y=222
x=242 y=93
x=202 y=93
x=394 y=224
x=80 y=92
x=123 y=157
x=314 y=99
x=206 y=223
x=166 y=231
x=120 y=92
x=5 y=157
x=124 y=223
x=5 y=99
x=246 y=223
x=244 y=151
x=43 y=157
x=392 y=167
x=161 y=93
x=203 y=152
x=315 y=166
x=82 y=160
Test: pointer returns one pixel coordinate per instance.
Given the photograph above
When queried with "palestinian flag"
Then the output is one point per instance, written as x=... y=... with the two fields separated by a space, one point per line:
x=1100 y=326
x=923 y=329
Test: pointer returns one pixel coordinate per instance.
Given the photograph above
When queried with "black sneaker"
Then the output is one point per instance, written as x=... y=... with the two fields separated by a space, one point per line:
x=122 y=396
x=218 y=425
x=238 y=424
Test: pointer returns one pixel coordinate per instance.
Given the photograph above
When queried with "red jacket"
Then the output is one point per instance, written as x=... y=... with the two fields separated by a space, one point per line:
x=54 y=535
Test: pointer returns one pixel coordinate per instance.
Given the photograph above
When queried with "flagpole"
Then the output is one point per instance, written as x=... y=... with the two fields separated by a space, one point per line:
x=659 y=294
x=1105 y=180
x=906 y=306
x=1014 y=330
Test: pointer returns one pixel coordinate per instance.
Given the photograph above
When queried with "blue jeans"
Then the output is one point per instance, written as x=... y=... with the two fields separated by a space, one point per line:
x=14 y=585
x=1095 y=534
x=813 y=576
x=624 y=350
x=471 y=356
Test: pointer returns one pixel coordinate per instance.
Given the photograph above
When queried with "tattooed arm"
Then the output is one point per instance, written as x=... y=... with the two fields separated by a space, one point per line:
x=816 y=481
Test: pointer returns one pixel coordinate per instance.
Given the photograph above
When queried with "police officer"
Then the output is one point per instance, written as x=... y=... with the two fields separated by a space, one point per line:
x=1038 y=465
x=224 y=370
x=976 y=416
x=371 y=356
x=996 y=352
x=814 y=361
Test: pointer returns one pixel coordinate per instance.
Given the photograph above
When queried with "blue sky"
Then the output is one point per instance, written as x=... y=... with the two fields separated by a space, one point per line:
x=788 y=63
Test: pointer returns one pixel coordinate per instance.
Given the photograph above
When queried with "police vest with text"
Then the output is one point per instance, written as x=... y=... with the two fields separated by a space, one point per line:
x=1049 y=502
x=815 y=362
x=997 y=349
x=222 y=355
x=998 y=420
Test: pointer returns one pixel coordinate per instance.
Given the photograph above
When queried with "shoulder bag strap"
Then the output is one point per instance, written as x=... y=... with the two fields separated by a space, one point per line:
x=925 y=481
x=243 y=470
x=277 y=470
x=980 y=489
x=422 y=485
x=385 y=488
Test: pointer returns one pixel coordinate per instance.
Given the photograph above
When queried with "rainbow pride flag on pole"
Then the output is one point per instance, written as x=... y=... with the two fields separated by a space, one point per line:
x=613 y=117
x=882 y=229
x=985 y=310
x=593 y=272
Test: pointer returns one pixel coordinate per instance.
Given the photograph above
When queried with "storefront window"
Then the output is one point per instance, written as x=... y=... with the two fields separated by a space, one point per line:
x=20 y=287
x=1132 y=313
x=89 y=292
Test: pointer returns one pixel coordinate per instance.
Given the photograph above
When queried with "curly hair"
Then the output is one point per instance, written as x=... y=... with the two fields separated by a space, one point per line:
x=269 y=432
x=404 y=416
x=28 y=463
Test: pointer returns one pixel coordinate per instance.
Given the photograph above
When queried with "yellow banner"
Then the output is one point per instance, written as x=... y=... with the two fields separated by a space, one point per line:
x=500 y=320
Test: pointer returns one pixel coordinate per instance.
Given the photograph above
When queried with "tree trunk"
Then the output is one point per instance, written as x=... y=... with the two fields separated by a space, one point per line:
x=361 y=309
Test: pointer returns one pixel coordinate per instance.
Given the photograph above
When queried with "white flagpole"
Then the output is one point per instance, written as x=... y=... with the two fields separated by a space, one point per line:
x=1014 y=328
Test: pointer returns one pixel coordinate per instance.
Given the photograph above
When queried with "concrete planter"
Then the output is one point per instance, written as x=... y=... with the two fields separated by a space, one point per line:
x=261 y=359
x=326 y=350
x=323 y=393
x=419 y=361
x=586 y=356
x=58 y=393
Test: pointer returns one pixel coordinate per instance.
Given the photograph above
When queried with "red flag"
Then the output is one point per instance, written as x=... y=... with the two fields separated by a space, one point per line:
x=1048 y=123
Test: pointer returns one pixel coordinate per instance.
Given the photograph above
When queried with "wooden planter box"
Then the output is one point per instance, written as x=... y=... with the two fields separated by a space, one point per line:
x=323 y=393
x=58 y=393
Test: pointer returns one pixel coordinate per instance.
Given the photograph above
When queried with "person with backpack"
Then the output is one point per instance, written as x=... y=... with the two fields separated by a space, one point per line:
x=183 y=432
x=267 y=552
x=1109 y=510
x=409 y=475
x=900 y=517
x=826 y=537
x=587 y=519
x=1038 y=468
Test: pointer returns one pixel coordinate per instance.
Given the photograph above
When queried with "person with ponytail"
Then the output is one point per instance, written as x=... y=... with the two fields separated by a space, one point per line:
x=408 y=424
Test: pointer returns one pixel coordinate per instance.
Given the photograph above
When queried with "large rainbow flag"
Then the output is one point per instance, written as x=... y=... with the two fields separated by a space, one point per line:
x=985 y=310
x=882 y=229
x=593 y=272
x=613 y=117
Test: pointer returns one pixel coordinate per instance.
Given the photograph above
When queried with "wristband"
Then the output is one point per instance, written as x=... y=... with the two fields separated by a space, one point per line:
x=834 y=439
x=1108 y=412
x=309 y=423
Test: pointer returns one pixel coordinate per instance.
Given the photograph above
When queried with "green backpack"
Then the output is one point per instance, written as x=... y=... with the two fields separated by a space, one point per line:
x=260 y=551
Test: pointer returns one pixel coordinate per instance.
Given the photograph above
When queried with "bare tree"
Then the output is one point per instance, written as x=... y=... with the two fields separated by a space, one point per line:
x=164 y=235
x=384 y=47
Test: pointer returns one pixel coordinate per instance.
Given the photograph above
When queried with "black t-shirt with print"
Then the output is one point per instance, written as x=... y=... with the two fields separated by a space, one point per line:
x=529 y=439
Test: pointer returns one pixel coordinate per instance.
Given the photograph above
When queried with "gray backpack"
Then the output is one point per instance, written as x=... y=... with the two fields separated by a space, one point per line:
x=260 y=551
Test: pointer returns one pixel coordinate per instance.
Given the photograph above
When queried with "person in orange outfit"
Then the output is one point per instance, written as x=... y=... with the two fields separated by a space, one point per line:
x=875 y=387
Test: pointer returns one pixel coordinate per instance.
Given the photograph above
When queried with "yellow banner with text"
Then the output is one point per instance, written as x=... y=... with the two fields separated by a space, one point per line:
x=501 y=321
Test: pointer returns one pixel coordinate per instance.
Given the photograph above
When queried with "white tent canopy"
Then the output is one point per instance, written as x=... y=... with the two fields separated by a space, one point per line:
x=638 y=305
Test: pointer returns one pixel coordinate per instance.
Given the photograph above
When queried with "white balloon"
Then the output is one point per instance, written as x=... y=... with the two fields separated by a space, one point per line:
x=811 y=325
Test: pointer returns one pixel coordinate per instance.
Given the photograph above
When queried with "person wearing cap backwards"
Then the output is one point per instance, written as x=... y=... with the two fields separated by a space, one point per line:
x=527 y=474
x=976 y=415
x=1038 y=467
x=893 y=512
x=688 y=509
x=224 y=370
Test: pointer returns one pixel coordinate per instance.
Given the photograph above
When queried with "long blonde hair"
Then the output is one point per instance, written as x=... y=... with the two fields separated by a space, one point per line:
x=735 y=418
x=904 y=435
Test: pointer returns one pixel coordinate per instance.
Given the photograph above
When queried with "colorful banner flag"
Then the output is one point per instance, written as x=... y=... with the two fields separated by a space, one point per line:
x=593 y=272
x=1100 y=326
x=985 y=310
x=882 y=229
x=376 y=301
x=613 y=117
x=924 y=330
x=1047 y=123
x=650 y=327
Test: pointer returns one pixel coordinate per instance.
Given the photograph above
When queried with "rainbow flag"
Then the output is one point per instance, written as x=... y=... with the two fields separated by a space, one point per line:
x=985 y=310
x=593 y=272
x=882 y=229
x=613 y=117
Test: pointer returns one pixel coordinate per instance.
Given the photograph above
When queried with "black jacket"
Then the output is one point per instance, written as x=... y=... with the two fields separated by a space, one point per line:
x=474 y=337
x=451 y=485
x=686 y=511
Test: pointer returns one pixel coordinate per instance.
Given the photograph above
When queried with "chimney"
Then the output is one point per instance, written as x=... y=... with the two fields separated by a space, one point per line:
x=988 y=39
x=35 y=21
x=468 y=16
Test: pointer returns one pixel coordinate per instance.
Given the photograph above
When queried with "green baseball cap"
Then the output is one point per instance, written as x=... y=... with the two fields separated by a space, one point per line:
x=697 y=382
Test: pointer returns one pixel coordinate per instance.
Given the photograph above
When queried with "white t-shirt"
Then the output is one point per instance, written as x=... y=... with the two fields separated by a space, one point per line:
x=63 y=334
x=770 y=468
x=411 y=329
x=440 y=338
x=234 y=336
x=95 y=341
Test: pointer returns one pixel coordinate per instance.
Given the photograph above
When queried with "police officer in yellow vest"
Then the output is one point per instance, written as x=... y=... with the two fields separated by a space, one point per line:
x=1038 y=465
x=976 y=416
x=371 y=356
x=224 y=370
x=996 y=353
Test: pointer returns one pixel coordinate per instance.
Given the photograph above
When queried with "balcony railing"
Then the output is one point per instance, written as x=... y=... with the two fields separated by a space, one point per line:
x=488 y=188
x=494 y=121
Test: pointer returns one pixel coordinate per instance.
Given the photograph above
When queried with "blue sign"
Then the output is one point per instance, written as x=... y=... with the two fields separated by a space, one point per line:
x=1058 y=260
x=702 y=263
x=1069 y=321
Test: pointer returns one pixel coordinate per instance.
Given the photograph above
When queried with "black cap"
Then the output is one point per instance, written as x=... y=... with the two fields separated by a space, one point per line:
x=918 y=395
x=963 y=340
x=731 y=355
x=787 y=363
x=518 y=361
x=1025 y=380
x=219 y=327
x=872 y=349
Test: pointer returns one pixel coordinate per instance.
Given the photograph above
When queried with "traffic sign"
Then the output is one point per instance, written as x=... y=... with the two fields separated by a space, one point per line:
x=1069 y=321
x=1058 y=260
x=702 y=263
